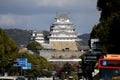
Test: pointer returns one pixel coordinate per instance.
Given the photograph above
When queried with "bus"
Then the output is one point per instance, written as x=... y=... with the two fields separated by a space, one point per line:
x=109 y=67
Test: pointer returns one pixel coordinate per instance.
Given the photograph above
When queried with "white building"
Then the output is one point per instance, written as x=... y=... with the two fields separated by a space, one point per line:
x=94 y=43
x=62 y=33
x=95 y=46
x=38 y=36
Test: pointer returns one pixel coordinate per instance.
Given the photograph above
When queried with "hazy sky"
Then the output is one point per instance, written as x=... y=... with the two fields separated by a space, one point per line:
x=40 y=14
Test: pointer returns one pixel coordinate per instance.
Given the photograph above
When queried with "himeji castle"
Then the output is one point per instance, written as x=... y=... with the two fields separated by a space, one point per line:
x=63 y=34
x=38 y=36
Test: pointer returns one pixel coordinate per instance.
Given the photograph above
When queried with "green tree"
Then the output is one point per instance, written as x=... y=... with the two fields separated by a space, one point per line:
x=33 y=45
x=108 y=8
x=74 y=75
x=40 y=66
x=66 y=71
x=108 y=28
x=7 y=49
x=7 y=45
x=9 y=53
x=67 y=68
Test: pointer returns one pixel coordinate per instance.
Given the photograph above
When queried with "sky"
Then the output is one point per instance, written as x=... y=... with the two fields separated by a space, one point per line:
x=40 y=14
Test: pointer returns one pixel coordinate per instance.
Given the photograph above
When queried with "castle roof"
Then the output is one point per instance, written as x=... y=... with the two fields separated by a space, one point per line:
x=63 y=16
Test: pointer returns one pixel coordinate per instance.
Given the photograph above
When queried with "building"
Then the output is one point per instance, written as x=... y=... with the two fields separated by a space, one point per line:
x=95 y=46
x=62 y=33
x=38 y=36
x=94 y=43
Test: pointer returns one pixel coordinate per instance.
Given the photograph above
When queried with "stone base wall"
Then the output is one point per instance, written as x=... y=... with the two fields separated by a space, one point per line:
x=71 y=45
x=66 y=54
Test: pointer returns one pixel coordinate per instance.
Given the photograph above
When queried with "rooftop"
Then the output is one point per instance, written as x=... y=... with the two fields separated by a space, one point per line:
x=63 y=16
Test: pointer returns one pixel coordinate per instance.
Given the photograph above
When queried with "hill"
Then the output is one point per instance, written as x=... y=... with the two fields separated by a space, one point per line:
x=85 y=39
x=22 y=37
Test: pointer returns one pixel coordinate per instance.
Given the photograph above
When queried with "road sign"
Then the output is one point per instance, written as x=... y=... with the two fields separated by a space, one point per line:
x=28 y=66
x=54 y=72
x=90 y=58
x=22 y=62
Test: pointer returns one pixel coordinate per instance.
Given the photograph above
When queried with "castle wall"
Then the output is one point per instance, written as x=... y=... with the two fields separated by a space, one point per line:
x=64 y=45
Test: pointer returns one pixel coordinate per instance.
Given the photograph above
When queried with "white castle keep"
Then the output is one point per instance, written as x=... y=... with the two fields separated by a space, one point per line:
x=63 y=34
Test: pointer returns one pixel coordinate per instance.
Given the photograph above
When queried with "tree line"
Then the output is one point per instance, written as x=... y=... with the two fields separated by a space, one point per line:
x=9 y=51
x=107 y=30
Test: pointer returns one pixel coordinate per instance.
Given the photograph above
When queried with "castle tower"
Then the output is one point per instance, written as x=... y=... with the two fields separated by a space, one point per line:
x=62 y=33
x=38 y=36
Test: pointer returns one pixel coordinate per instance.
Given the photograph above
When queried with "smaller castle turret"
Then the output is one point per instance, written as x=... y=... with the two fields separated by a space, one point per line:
x=38 y=36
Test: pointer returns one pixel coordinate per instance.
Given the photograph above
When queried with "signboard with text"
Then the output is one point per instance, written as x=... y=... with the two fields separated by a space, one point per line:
x=109 y=63
x=28 y=66
x=90 y=58
x=21 y=62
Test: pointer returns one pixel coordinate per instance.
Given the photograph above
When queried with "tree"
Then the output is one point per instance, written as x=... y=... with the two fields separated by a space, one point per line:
x=108 y=8
x=7 y=49
x=108 y=28
x=9 y=53
x=34 y=46
x=7 y=45
x=66 y=71
x=40 y=66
